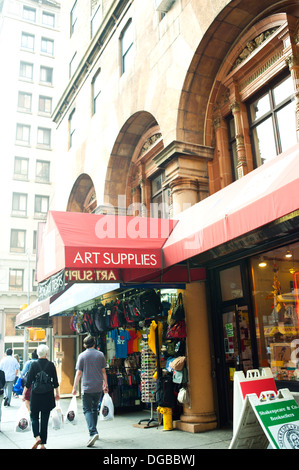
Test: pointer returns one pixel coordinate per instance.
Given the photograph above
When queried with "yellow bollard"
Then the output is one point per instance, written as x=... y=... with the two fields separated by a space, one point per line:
x=167 y=417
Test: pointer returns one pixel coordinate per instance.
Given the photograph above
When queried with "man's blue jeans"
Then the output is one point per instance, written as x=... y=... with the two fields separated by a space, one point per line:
x=90 y=402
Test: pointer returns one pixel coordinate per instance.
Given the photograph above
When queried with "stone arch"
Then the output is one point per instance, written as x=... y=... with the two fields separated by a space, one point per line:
x=232 y=22
x=128 y=145
x=83 y=195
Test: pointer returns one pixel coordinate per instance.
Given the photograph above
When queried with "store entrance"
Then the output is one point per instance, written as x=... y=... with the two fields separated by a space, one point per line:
x=237 y=346
x=234 y=332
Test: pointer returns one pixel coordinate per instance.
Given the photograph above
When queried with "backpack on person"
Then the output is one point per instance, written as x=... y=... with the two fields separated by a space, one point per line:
x=43 y=382
x=2 y=379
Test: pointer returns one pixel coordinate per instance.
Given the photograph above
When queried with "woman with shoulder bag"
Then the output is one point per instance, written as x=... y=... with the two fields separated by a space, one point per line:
x=43 y=378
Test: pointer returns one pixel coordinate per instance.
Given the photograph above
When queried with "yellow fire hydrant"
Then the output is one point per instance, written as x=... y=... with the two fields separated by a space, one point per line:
x=167 y=417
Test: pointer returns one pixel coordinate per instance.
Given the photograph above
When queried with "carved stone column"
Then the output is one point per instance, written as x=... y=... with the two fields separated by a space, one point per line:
x=242 y=164
x=293 y=63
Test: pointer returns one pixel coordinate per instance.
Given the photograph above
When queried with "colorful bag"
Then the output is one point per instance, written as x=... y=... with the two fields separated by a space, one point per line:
x=178 y=330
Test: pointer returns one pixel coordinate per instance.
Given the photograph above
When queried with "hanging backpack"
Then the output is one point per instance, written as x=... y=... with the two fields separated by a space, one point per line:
x=99 y=318
x=129 y=315
x=80 y=323
x=149 y=303
x=43 y=382
x=120 y=312
x=114 y=321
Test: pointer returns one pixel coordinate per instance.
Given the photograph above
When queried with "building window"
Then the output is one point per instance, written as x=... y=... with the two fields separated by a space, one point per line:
x=24 y=101
x=34 y=242
x=27 y=41
x=47 y=46
x=23 y=134
x=160 y=198
x=96 y=91
x=26 y=70
x=19 y=204
x=72 y=128
x=41 y=205
x=42 y=173
x=73 y=65
x=46 y=75
x=29 y=14
x=17 y=241
x=96 y=21
x=45 y=104
x=73 y=18
x=48 y=19
x=21 y=166
x=44 y=137
x=34 y=281
x=273 y=120
x=16 y=279
x=126 y=42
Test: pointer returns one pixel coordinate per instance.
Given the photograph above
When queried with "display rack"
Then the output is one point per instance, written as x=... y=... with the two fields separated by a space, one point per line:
x=149 y=366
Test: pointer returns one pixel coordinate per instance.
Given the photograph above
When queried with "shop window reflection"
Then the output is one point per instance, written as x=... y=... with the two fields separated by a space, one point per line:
x=276 y=311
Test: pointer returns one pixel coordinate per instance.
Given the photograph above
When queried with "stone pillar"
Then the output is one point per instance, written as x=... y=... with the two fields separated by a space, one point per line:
x=184 y=193
x=241 y=165
x=293 y=63
x=200 y=414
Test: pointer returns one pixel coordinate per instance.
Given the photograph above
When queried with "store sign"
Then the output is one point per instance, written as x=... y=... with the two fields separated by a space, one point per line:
x=91 y=275
x=51 y=286
x=114 y=258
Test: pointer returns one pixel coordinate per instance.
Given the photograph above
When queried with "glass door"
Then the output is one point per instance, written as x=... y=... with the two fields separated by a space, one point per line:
x=237 y=346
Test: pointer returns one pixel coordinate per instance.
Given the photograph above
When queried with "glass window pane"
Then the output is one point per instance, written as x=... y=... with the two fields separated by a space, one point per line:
x=283 y=91
x=286 y=120
x=264 y=142
x=231 y=283
x=260 y=107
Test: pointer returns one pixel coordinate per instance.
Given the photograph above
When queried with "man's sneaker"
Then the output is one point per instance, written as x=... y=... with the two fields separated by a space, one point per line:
x=92 y=440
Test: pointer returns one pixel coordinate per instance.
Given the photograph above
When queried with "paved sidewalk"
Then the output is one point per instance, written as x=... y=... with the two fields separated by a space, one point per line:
x=119 y=433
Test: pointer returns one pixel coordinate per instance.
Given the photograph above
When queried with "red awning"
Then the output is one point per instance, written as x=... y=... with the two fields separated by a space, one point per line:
x=263 y=196
x=78 y=241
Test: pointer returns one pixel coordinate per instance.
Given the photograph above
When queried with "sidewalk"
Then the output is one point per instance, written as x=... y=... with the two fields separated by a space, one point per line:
x=116 y=434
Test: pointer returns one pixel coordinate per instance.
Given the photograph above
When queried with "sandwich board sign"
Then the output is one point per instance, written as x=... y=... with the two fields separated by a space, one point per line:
x=256 y=381
x=270 y=418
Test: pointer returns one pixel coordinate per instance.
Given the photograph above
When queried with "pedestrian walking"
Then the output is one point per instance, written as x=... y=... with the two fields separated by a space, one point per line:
x=2 y=384
x=10 y=367
x=34 y=357
x=91 y=368
x=43 y=378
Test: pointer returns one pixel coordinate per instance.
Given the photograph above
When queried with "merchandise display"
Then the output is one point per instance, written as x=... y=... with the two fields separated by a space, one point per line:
x=142 y=334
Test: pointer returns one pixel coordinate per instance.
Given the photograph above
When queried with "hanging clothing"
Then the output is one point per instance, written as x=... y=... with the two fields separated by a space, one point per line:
x=121 y=338
x=152 y=336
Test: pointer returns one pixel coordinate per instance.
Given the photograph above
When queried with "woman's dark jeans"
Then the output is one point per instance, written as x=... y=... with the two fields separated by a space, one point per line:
x=40 y=424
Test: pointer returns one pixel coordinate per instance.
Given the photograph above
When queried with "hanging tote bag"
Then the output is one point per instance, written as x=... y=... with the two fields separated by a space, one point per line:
x=107 y=408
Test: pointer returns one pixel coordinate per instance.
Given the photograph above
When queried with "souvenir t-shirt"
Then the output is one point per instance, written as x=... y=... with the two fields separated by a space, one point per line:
x=110 y=344
x=136 y=342
x=133 y=335
x=121 y=338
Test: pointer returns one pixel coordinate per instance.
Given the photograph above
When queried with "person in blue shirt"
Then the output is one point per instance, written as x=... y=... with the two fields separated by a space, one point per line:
x=10 y=367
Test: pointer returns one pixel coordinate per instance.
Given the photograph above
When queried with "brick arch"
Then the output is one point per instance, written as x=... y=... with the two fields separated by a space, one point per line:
x=83 y=196
x=128 y=140
x=233 y=21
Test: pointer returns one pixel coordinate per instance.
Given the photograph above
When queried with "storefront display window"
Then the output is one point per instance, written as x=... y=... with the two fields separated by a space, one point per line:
x=275 y=281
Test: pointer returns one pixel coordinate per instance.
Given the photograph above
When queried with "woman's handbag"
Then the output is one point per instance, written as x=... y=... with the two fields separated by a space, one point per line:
x=178 y=330
x=107 y=408
x=178 y=363
x=178 y=312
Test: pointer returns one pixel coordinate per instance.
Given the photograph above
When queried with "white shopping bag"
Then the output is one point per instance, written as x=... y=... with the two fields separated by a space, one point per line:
x=57 y=417
x=72 y=412
x=23 y=422
x=107 y=408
